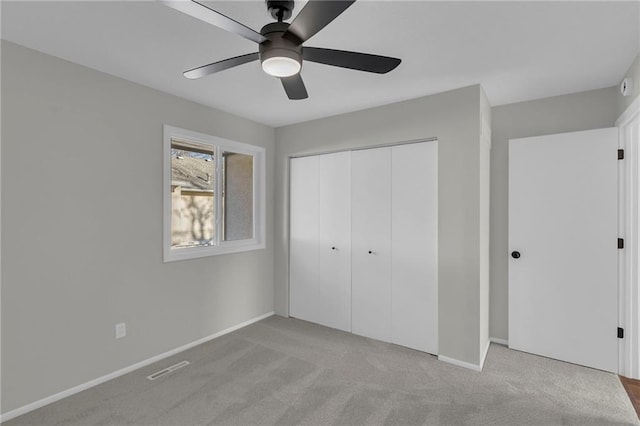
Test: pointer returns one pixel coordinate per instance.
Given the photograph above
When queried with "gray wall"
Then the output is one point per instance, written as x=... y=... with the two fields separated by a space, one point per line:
x=454 y=118
x=580 y=111
x=82 y=229
x=485 y=231
x=634 y=73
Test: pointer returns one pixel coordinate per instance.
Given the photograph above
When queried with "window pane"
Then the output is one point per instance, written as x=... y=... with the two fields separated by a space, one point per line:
x=238 y=196
x=192 y=195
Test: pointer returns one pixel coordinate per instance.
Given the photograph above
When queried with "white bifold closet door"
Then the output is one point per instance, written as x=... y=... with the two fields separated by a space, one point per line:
x=334 y=252
x=303 y=257
x=395 y=244
x=414 y=245
x=320 y=247
x=364 y=242
x=371 y=243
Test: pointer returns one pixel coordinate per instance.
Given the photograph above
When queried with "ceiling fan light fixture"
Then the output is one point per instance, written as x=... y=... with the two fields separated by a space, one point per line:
x=281 y=66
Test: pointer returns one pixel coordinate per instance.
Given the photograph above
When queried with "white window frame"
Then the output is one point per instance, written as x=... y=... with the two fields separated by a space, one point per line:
x=218 y=145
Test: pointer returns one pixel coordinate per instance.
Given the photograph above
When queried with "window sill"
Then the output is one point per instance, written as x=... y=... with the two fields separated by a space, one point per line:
x=186 y=253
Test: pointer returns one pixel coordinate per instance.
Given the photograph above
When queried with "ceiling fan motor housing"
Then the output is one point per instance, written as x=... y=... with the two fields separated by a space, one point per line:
x=276 y=46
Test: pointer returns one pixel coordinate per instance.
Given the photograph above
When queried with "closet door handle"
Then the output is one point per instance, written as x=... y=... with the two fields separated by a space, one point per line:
x=370 y=252
x=333 y=248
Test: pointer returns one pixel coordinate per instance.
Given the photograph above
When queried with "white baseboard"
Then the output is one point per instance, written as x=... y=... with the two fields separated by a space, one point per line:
x=499 y=341
x=453 y=361
x=58 y=396
x=484 y=354
x=474 y=367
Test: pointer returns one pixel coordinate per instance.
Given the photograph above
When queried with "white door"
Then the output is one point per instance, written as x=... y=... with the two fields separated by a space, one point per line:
x=563 y=247
x=371 y=243
x=414 y=246
x=334 y=250
x=303 y=244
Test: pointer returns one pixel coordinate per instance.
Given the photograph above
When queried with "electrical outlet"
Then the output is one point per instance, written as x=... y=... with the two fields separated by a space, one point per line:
x=121 y=330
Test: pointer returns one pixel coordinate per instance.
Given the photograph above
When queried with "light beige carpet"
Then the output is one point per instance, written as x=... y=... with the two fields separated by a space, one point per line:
x=289 y=372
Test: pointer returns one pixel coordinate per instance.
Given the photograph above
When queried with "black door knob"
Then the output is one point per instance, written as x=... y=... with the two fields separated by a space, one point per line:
x=333 y=248
x=515 y=254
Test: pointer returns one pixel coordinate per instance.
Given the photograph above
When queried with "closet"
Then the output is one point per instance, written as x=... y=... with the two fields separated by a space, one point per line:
x=364 y=242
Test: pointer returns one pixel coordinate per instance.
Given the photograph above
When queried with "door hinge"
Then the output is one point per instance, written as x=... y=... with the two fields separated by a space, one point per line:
x=620 y=333
x=620 y=243
x=621 y=154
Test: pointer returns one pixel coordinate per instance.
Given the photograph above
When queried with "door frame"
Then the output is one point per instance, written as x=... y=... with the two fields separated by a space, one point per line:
x=629 y=229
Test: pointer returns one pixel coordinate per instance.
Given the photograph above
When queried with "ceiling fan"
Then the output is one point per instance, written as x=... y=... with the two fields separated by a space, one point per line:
x=280 y=44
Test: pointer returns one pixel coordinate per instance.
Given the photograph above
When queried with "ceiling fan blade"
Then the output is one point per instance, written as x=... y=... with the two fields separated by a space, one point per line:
x=316 y=15
x=352 y=60
x=294 y=86
x=206 y=14
x=221 y=65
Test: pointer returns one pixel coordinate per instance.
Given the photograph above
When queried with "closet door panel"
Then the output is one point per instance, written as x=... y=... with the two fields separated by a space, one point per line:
x=303 y=246
x=371 y=243
x=414 y=246
x=334 y=271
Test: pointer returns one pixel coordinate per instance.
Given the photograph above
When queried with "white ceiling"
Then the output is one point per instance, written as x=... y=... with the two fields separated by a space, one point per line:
x=517 y=50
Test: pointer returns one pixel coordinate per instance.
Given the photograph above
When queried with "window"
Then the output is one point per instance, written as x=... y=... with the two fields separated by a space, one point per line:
x=213 y=195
